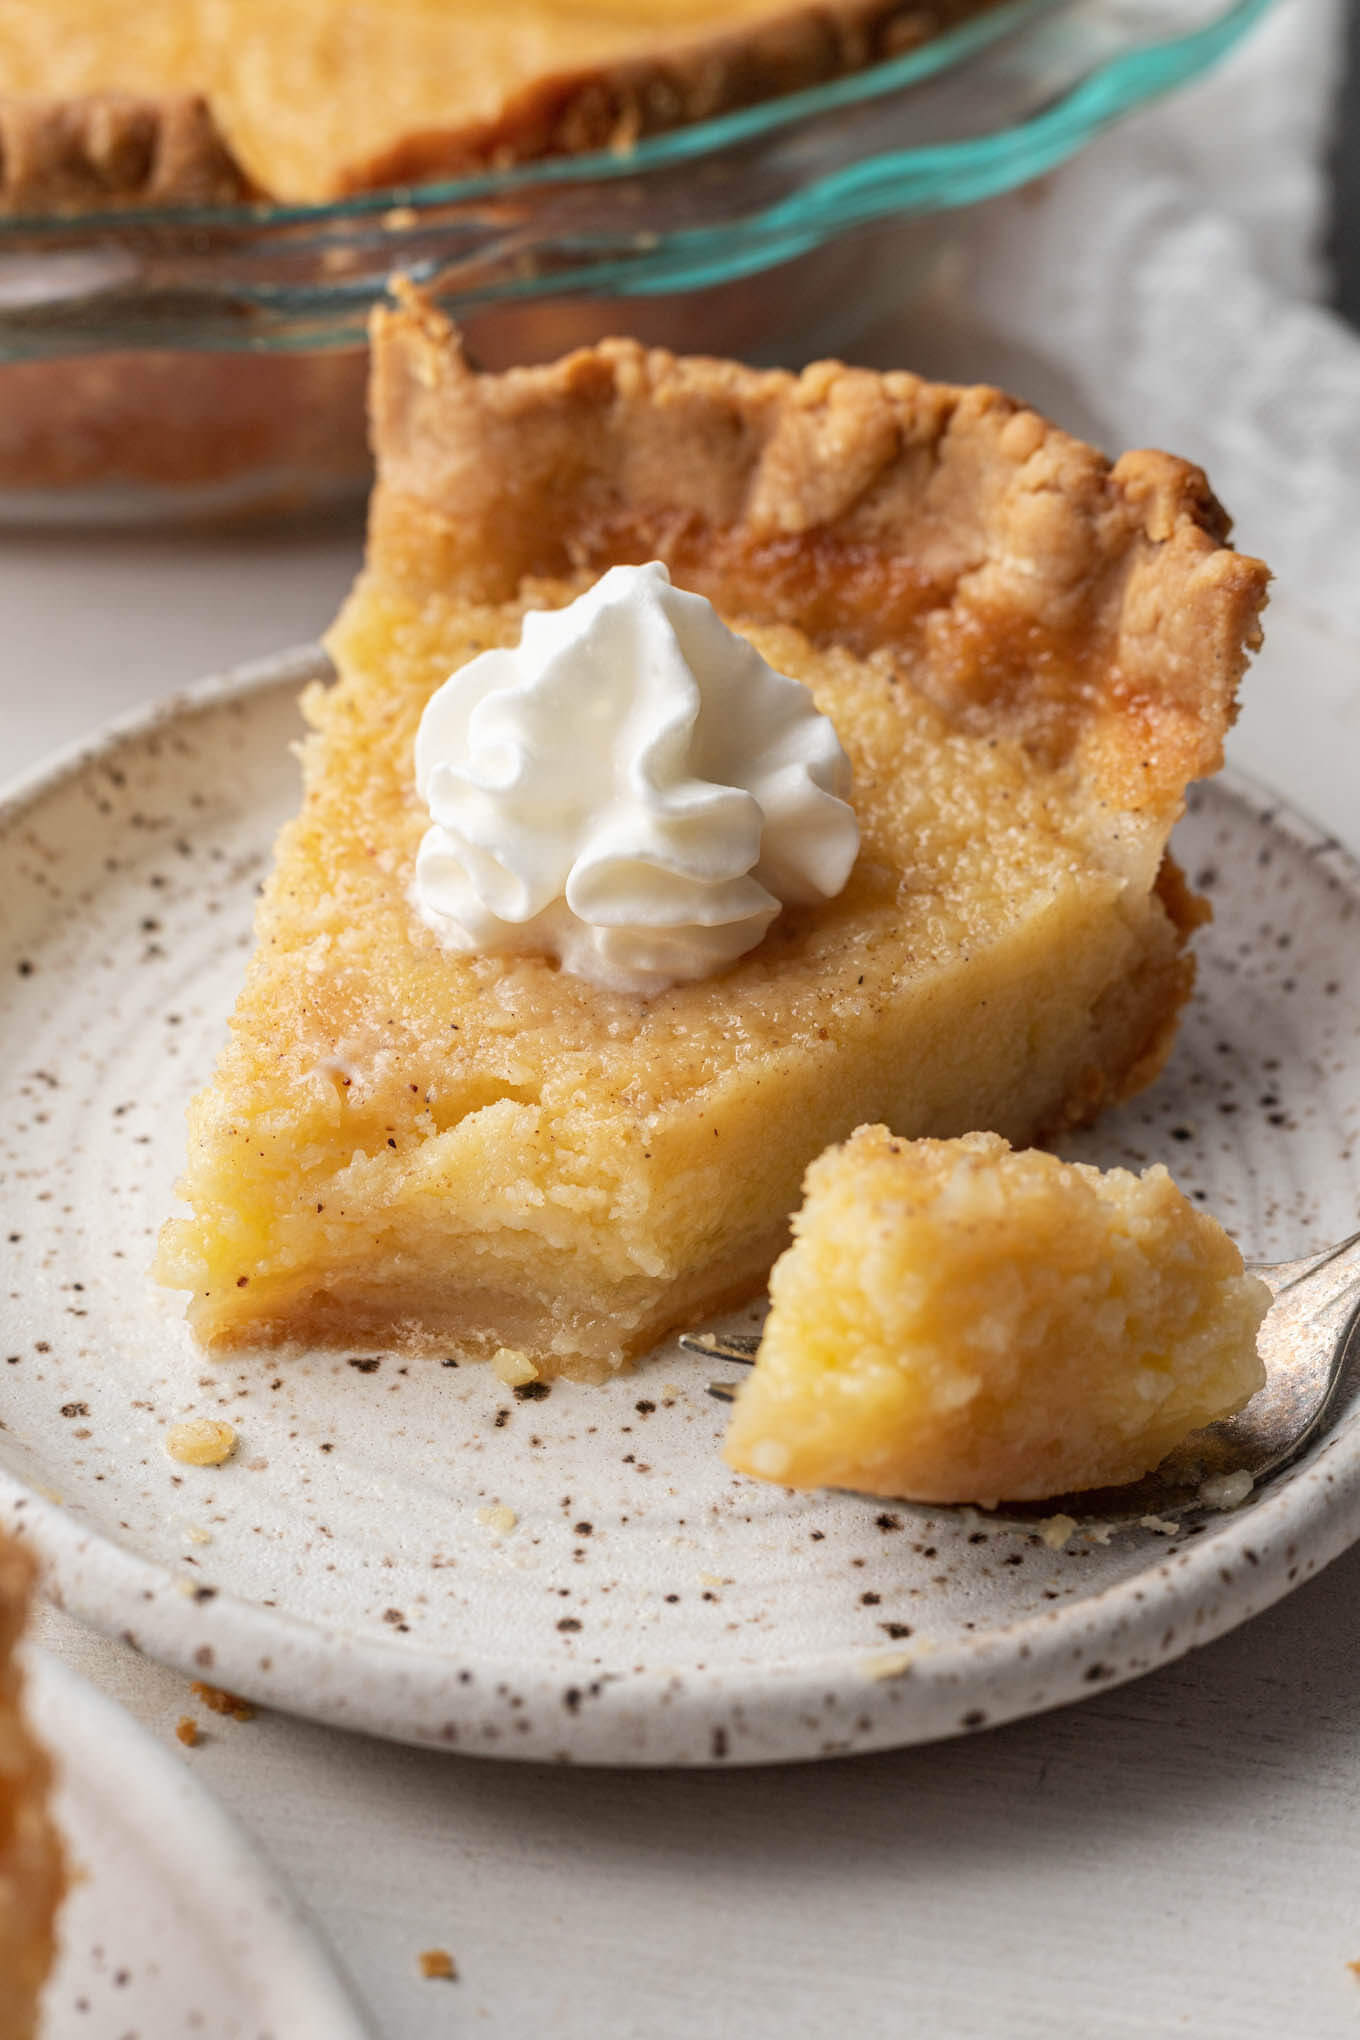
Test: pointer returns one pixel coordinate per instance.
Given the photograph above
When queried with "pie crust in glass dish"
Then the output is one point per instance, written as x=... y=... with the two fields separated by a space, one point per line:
x=1027 y=654
x=159 y=101
x=123 y=105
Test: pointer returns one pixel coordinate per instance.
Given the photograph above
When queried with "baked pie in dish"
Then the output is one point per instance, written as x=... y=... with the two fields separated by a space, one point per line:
x=1026 y=654
x=124 y=105
x=31 y=1875
x=209 y=101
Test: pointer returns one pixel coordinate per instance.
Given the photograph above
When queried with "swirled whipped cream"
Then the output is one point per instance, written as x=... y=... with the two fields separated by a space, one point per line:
x=630 y=789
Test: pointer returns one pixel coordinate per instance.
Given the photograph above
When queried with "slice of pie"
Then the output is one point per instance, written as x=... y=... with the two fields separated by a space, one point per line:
x=1026 y=653
x=157 y=101
x=31 y=1877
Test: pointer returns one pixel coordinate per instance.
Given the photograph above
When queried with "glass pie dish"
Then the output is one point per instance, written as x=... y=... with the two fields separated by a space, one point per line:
x=191 y=362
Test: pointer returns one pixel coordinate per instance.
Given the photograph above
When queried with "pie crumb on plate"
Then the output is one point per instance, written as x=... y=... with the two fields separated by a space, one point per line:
x=959 y=1322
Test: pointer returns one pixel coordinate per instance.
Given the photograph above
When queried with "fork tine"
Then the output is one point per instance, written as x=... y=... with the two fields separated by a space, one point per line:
x=1341 y=1265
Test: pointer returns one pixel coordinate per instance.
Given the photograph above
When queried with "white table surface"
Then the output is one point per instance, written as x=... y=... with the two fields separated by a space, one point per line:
x=1173 y=1857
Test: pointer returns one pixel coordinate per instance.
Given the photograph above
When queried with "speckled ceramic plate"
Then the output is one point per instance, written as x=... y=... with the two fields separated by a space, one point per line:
x=172 y=1926
x=413 y=1549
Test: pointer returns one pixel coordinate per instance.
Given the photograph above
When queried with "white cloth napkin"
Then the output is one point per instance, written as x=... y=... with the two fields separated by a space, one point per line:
x=1162 y=290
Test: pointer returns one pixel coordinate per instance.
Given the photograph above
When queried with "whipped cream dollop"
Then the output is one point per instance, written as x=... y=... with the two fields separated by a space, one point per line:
x=630 y=789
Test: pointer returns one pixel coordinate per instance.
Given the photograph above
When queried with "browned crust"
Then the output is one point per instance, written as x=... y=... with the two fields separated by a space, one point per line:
x=114 y=149
x=16 y=1584
x=1095 y=611
x=615 y=106
x=31 y=1871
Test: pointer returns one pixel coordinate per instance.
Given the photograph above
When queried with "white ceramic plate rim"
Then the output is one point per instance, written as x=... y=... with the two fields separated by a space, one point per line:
x=1219 y=1579
x=297 y=1989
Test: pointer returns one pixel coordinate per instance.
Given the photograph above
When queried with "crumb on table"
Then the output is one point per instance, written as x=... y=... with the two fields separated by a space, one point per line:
x=218 y=1701
x=437 y=1962
x=186 y=1728
x=203 y=1441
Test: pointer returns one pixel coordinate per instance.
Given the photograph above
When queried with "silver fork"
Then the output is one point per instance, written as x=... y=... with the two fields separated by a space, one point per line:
x=1309 y=1341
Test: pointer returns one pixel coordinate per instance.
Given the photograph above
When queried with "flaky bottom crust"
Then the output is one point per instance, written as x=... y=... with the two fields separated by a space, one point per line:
x=470 y=1322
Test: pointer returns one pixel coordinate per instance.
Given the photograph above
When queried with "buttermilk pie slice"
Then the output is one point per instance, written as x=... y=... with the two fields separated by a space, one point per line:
x=1026 y=654
x=31 y=1875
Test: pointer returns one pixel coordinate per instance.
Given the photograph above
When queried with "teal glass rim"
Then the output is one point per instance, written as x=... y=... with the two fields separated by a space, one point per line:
x=680 y=145
x=998 y=101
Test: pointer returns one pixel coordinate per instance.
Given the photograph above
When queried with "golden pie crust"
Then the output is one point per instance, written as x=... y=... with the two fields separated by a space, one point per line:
x=1094 y=612
x=31 y=1874
x=113 y=149
x=1026 y=653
